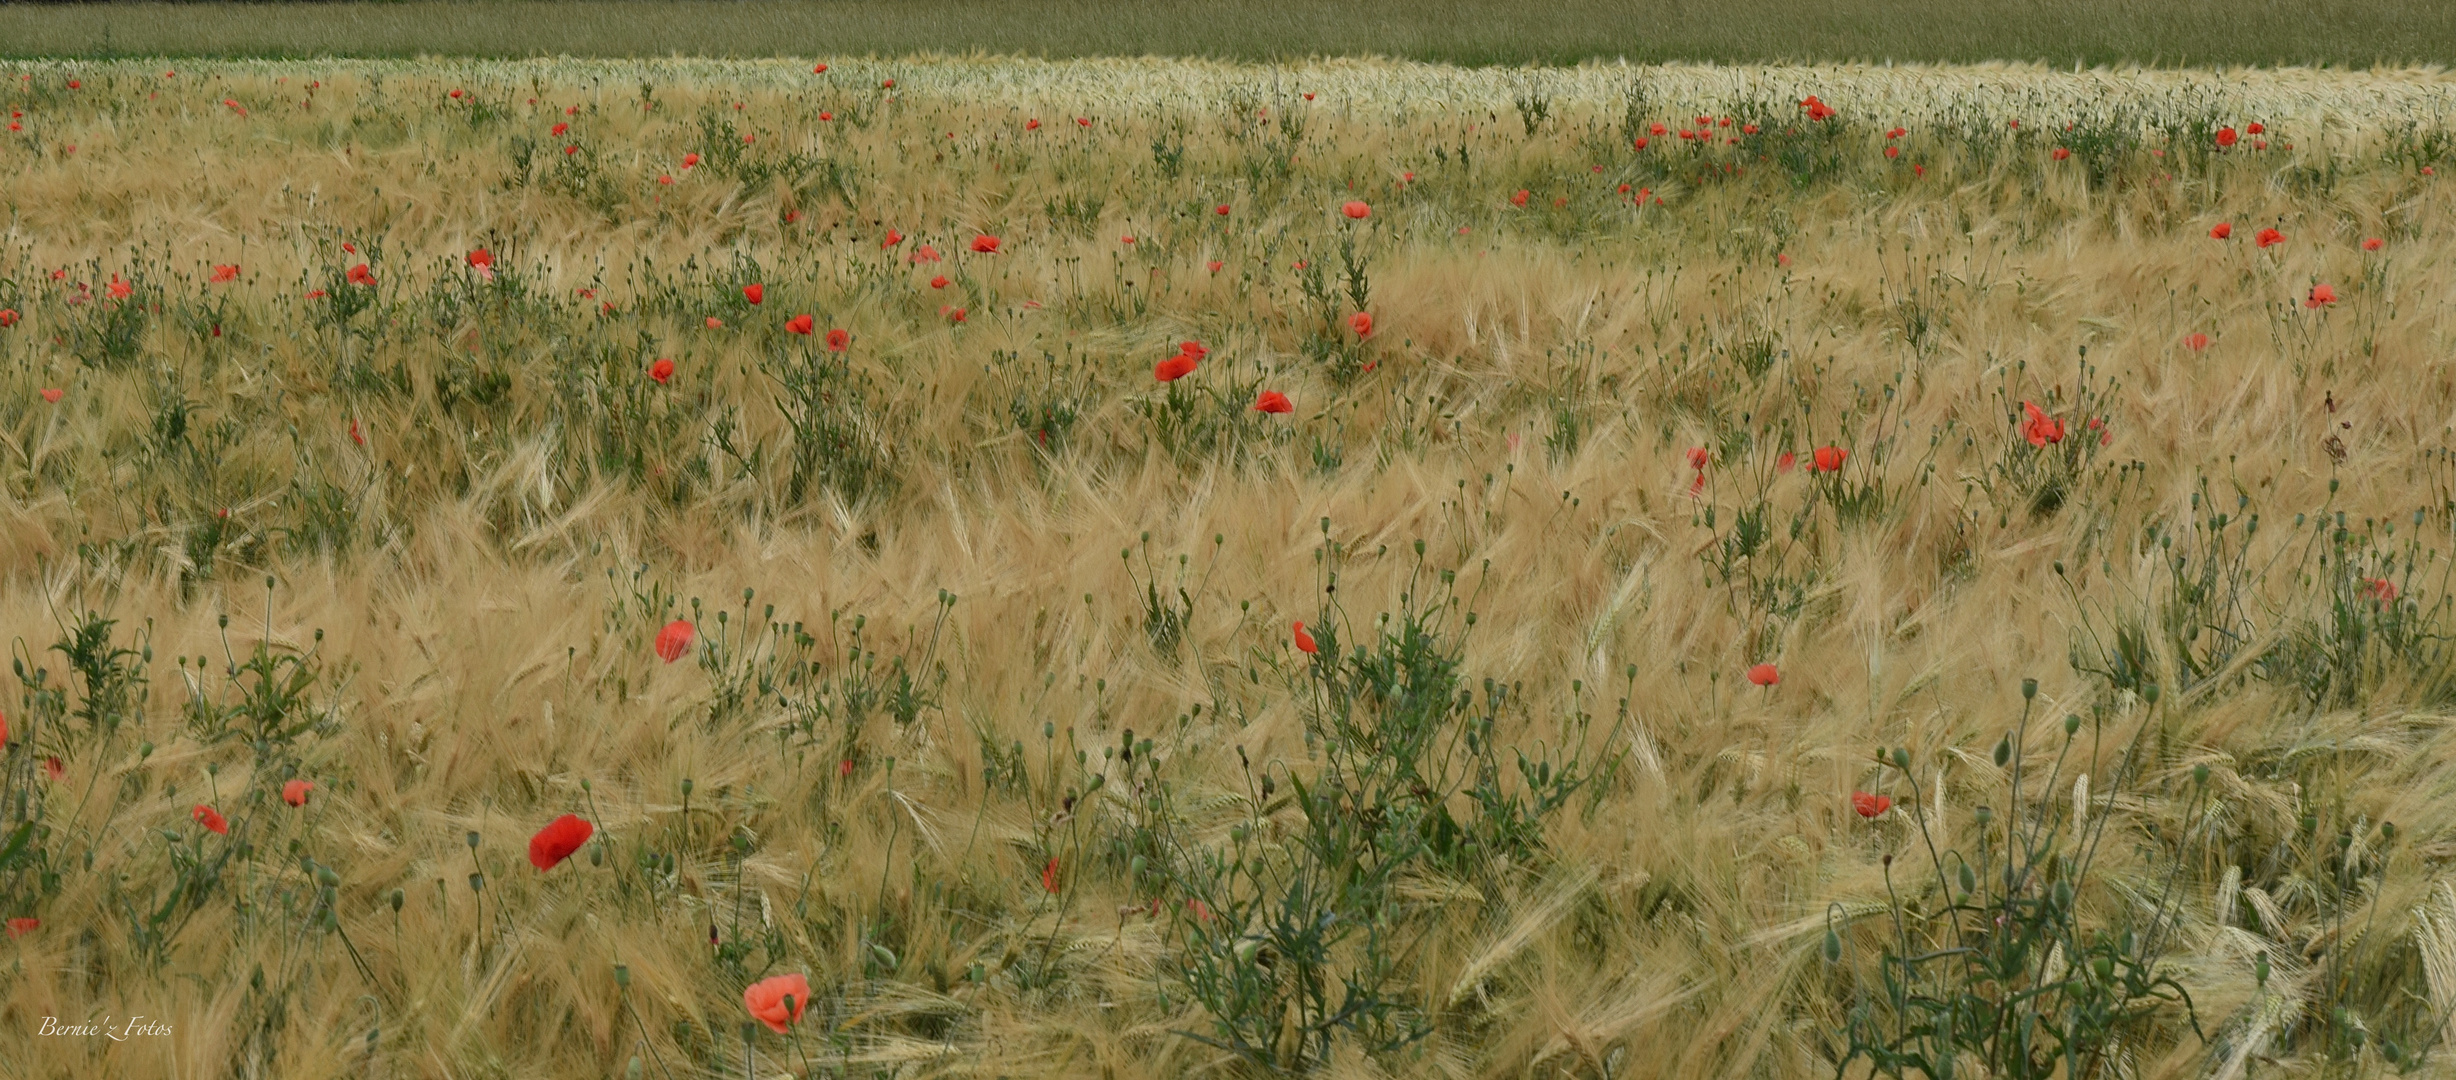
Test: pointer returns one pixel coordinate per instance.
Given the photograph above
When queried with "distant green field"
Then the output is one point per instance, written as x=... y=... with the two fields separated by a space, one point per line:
x=2359 y=33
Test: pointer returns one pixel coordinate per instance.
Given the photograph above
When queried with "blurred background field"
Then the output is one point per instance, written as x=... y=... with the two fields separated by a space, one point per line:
x=2177 y=33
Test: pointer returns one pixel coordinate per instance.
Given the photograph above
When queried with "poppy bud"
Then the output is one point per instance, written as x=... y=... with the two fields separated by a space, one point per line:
x=1901 y=758
x=1833 y=946
x=398 y=898
x=2072 y=725
x=2003 y=751
x=2029 y=689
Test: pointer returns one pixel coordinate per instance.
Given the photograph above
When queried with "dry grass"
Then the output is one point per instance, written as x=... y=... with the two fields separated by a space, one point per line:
x=478 y=584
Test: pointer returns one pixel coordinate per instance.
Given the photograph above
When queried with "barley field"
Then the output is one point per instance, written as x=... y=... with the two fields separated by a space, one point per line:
x=1027 y=568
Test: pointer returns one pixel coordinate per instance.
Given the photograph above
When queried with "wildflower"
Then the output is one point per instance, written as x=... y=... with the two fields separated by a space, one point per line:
x=356 y=435
x=2041 y=429
x=893 y=238
x=1829 y=459
x=558 y=130
x=715 y=323
x=2268 y=237
x=666 y=179
x=819 y=70
x=482 y=258
x=1222 y=210
x=54 y=768
x=1786 y=461
x=2221 y=230
x=837 y=339
x=986 y=245
x=953 y=314
x=2321 y=296
x=1868 y=805
x=1764 y=675
x=1361 y=323
x=1272 y=401
x=1518 y=199
x=1083 y=121
x=295 y=792
x=8 y=318
x=206 y=817
x=23 y=925
x=1215 y=264
x=2061 y=154
x=1896 y=133
x=2373 y=244
x=1304 y=641
x=778 y=1001
x=926 y=253
x=1194 y=349
x=690 y=161
x=2225 y=138
x=120 y=290
x=225 y=273
x=1032 y=124
x=674 y=639
x=2255 y=128
x=1356 y=210
x=1048 y=875
x=1893 y=151
x=558 y=840
x=844 y=768
x=1697 y=458
x=360 y=275
x=938 y=282
x=662 y=371
x=2379 y=589
x=754 y=292
x=1125 y=239
x=2195 y=342
x=1174 y=368
x=800 y=324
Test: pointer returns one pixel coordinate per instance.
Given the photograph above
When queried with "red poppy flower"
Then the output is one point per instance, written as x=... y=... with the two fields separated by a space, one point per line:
x=1173 y=368
x=674 y=640
x=1868 y=805
x=986 y=245
x=455 y=95
x=778 y=1001
x=570 y=150
x=819 y=70
x=2041 y=429
x=662 y=371
x=754 y=292
x=356 y=435
x=1032 y=124
x=938 y=282
x=844 y=768
x=54 y=768
x=481 y=257
x=1785 y=462
x=360 y=275
x=715 y=323
x=206 y=817
x=1697 y=457
x=827 y=116
x=953 y=314
x=2255 y=128
x=1829 y=459
x=120 y=290
x=23 y=925
x=1214 y=265
x=2221 y=230
x=1519 y=198
x=924 y=254
x=2269 y=236
x=558 y=840
x=1272 y=401
x=2373 y=244
x=558 y=130
x=666 y=179
x=1305 y=643
x=2061 y=154
x=225 y=273
x=2379 y=589
x=800 y=324
x=1764 y=675
x=1640 y=143
x=1048 y=875
x=2195 y=342
x=1222 y=210
x=837 y=339
x=8 y=318
x=2321 y=296
x=1194 y=349
x=1083 y=121
x=1356 y=210
x=690 y=161
x=295 y=792
x=2225 y=137
x=1361 y=323
x=893 y=238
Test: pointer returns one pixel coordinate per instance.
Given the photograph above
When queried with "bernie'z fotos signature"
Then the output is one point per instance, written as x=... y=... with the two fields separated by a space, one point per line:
x=136 y=1026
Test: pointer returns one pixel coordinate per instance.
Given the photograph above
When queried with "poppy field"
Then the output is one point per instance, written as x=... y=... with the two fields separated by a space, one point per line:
x=1008 y=568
